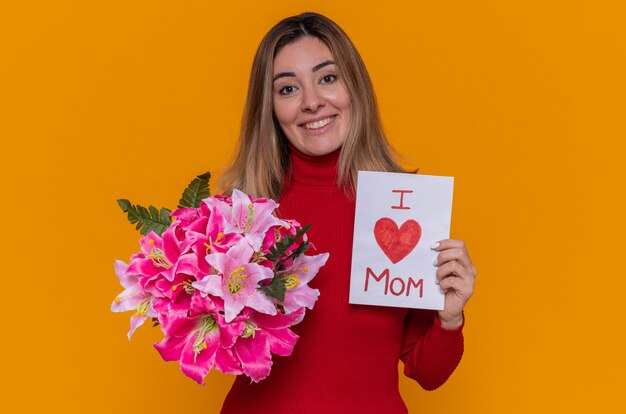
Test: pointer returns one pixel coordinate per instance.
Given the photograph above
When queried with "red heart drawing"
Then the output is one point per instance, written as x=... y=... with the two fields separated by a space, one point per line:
x=397 y=243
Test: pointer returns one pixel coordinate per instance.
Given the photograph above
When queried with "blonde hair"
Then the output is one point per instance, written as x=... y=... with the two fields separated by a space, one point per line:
x=262 y=155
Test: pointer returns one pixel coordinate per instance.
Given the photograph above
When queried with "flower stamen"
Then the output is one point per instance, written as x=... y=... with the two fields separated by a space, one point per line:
x=291 y=281
x=249 y=330
x=158 y=257
x=250 y=217
x=142 y=307
x=207 y=325
x=236 y=280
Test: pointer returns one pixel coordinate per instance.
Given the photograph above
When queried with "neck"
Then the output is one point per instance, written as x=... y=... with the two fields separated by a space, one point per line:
x=319 y=171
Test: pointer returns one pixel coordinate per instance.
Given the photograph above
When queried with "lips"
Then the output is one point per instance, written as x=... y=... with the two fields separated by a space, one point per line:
x=318 y=123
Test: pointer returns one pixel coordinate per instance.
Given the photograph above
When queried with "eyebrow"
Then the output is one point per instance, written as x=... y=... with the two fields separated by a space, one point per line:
x=292 y=74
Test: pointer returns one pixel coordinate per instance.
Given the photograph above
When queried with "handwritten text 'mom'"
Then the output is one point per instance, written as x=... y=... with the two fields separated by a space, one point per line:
x=397 y=286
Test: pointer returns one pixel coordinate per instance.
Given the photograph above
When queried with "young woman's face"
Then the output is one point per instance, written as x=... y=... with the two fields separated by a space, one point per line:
x=311 y=101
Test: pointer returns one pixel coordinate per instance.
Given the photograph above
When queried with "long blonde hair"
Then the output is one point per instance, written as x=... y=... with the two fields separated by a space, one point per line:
x=263 y=154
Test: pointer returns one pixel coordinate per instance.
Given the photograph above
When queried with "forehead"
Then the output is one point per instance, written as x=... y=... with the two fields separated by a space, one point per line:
x=301 y=55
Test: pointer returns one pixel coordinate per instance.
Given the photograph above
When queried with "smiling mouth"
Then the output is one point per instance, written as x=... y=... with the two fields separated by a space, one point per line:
x=319 y=124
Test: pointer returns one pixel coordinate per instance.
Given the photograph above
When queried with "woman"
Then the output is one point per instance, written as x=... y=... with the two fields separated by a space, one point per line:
x=310 y=123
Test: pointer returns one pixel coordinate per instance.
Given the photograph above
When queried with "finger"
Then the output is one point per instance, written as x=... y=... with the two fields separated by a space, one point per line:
x=452 y=268
x=450 y=282
x=462 y=287
x=457 y=254
x=447 y=244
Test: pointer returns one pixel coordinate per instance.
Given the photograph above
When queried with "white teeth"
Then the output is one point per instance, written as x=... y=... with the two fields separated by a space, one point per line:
x=318 y=124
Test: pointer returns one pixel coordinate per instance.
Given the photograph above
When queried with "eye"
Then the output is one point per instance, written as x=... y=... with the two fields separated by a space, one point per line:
x=328 y=79
x=286 y=90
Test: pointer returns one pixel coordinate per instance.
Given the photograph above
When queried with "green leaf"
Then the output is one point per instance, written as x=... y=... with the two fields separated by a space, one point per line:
x=147 y=219
x=276 y=288
x=281 y=247
x=196 y=191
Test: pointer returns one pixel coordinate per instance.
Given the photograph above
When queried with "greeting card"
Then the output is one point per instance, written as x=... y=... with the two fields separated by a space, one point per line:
x=398 y=217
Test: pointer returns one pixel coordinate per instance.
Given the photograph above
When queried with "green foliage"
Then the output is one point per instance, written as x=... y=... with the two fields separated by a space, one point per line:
x=276 y=288
x=281 y=247
x=196 y=191
x=147 y=219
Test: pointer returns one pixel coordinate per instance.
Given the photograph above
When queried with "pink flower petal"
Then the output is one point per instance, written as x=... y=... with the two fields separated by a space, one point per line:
x=197 y=366
x=230 y=332
x=126 y=280
x=175 y=321
x=241 y=202
x=149 y=241
x=281 y=341
x=127 y=300
x=187 y=264
x=171 y=347
x=135 y=322
x=254 y=355
x=306 y=267
x=261 y=302
x=170 y=245
x=233 y=304
x=210 y=285
x=203 y=305
x=226 y=362
x=299 y=297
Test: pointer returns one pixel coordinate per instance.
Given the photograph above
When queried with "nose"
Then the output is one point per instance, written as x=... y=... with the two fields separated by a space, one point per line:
x=312 y=100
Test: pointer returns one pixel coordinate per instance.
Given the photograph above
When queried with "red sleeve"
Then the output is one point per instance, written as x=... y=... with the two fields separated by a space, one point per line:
x=430 y=352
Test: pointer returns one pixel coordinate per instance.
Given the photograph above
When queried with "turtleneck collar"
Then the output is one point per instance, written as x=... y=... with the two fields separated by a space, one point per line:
x=318 y=171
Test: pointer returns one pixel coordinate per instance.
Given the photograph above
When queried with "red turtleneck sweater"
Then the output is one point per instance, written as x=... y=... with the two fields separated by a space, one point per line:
x=346 y=360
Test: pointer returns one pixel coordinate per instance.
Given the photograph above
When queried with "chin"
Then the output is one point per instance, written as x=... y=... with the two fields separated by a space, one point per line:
x=318 y=152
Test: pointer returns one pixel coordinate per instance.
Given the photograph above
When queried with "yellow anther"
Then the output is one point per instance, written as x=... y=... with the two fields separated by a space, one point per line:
x=151 y=242
x=249 y=330
x=257 y=257
x=159 y=259
x=291 y=281
x=207 y=325
x=118 y=299
x=236 y=280
x=142 y=307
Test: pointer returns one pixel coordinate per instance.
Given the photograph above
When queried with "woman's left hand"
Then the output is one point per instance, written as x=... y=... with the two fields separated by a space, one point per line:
x=456 y=276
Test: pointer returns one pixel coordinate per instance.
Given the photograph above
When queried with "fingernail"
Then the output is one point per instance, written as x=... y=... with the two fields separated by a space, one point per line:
x=436 y=281
x=434 y=245
x=435 y=263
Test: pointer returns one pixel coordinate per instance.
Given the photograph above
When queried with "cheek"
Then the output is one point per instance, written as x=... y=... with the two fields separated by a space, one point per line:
x=341 y=100
x=283 y=112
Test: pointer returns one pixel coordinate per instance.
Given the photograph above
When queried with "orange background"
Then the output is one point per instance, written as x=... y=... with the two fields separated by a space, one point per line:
x=524 y=102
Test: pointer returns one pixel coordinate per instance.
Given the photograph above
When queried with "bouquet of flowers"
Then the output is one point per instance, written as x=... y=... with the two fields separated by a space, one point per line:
x=223 y=278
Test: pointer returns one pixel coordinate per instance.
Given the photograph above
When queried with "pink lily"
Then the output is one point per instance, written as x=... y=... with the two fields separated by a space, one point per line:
x=298 y=275
x=251 y=218
x=163 y=258
x=132 y=298
x=262 y=336
x=237 y=281
x=198 y=337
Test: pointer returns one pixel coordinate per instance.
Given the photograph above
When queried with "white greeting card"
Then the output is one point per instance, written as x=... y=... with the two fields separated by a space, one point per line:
x=398 y=217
